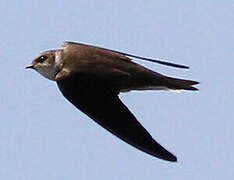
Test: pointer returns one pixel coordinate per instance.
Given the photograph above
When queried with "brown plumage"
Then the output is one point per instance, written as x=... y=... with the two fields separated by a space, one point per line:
x=91 y=79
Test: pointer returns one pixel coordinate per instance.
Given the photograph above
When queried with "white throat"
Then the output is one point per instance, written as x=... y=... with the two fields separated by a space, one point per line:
x=58 y=58
x=48 y=73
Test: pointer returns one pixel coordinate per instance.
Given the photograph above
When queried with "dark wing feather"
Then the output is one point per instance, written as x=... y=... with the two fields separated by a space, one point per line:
x=122 y=54
x=101 y=103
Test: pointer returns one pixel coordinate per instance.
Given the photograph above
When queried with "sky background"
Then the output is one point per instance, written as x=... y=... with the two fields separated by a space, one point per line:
x=43 y=136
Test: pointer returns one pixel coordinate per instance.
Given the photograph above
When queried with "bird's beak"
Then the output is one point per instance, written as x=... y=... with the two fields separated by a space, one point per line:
x=31 y=66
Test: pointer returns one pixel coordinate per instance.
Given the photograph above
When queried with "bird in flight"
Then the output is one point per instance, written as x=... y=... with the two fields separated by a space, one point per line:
x=91 y=78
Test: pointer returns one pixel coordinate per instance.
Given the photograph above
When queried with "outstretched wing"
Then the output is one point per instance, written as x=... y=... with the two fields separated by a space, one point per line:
x=123 y=55
x=100 y=102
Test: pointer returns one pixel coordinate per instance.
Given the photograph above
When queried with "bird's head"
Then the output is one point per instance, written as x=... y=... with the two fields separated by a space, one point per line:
x=47 y=63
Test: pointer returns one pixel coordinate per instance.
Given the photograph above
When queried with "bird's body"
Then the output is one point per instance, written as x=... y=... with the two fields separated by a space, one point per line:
x=91 y=78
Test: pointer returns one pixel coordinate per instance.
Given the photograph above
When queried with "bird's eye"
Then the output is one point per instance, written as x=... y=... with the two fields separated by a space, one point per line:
x=42 y=58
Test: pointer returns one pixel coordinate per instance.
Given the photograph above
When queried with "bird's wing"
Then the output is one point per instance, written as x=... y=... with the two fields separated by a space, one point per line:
x=101 y=103
x=90 y=50
x=119 y=55
x=112 y=65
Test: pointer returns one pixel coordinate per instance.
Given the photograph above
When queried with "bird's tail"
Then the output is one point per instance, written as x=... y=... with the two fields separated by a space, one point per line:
x=177 y=84
x=165 y=83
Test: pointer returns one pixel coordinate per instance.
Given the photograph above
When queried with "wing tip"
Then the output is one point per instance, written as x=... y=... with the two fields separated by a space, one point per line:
x=171 y=158
x=167 y=157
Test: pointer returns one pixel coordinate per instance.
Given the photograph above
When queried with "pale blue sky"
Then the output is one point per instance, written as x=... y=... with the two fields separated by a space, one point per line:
x=42 y=136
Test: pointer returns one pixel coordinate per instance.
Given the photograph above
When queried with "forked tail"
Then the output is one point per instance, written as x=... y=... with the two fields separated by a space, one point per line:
x=174 y=83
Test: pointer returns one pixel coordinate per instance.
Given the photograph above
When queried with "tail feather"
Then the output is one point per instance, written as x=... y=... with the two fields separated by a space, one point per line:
x=175 y=83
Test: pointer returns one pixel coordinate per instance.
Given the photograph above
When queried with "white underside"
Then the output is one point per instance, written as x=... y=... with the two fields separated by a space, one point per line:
x=152 y=88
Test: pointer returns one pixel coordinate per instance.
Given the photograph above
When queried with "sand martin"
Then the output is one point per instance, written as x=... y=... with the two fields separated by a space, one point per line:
x=91 y=78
